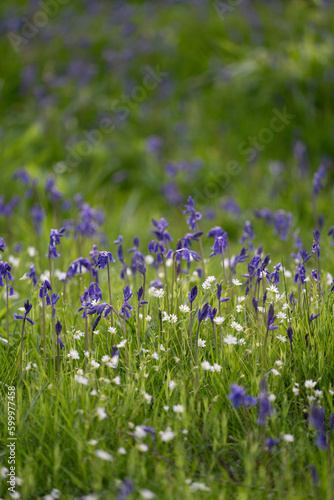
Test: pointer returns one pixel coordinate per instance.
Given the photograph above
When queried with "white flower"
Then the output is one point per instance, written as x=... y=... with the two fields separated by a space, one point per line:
x=173 y=318
x=216 y=368
x=15 y=495
x=318 y=394
x=237 y=326
x=201 y=343
x=206 y=365
x=261 y=309
x=230 y=340
x=81 y=380
x=147 y=494
x=288 y=438
x=273 y=289
x=112 y=329
x=241 y=299
x=166 y=408
x=94 y=364
x=309 y=384
x=165 y=316
x=93 y=442
x=32 y=251
x=162 y=348
x=73 y=354
x=106 y=358
x=241 y=341
x=148 y=397
x=331 y=392
x=101 y=414
x=86 y=354
x=122 y=343
x=172 y=385
x=211 y=279
x=282 y=316
x=13 y=260
x=117 y=380
x=219 y=320
x=275 y=372
x=104 y=455
x=139 y=432
x=295 y=390
x=178 y=409
x=121 y=451
x=158 y=292
x=167 y=435
x=142 y=447
x=239 y=308
x=272 y=397
x=149 y=259
x=55 y=493
x=155 y=355
x=236 y=282
x=278 y=362
x=281 y=338
x=184 y=308
x=76 y=336
x=148 y=318
x=199 y=487
x=285 y=306
x=93 y=392
x=310 y=399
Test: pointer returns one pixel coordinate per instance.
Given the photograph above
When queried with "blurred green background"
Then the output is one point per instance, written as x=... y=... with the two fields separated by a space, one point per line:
x=201 y=126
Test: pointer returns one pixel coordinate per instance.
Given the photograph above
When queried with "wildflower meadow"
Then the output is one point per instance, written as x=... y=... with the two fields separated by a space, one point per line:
x=166 y=250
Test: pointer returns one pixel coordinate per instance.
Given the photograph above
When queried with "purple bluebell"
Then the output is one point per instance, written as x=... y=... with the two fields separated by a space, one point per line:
x=274 y=277
x=103 y=259
x=248 y=235
x=282 y=224
x=265 y=409
x=313 y=317
x=265 y=214
x=314 y=474
x=55 y=236
x=139 y=297
x=21 y=175
x=126 y=307
x=220 y=245
x=59 y=328
x=193 y=294
x=161 y=230
x=290 y=333
x=316 y=243
x=194 y=216
x=331 y=233
x=212 y=313
x=189 y=237
x=158 y=249
x=2 y=245
x=125 y=490
x=317 y=419
x=51 y=189
x=203 y=313
x=54 y=299
x=238 y=397
x=271 y=318
x=137 y=255
x=230 y=205
x=317 y=179
x=271 y=443
x=27 y=309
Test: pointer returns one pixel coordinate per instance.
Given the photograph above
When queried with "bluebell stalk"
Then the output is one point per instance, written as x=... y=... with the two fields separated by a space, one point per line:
x=27 y=308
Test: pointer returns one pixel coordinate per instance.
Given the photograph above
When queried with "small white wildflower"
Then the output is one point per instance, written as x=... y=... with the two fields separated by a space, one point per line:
x=101 y=414
x=261 y=309
x=94 y=364
x=147 y=494
x=117 y=380
x=271 y=397
x=275 y=372
x=148 y=318
x=178 y=409
x=73 y=354
x=206 y=365
x=236 y=282
x=219 y=320
x=122 y=343
x=230 y=340
x=173 y=318
x=216 y=368
x=112 y=329
x=199 y=487
x=166 y=408
x=142 y=447
x=32 y=252
x=236 y=326
x=242 y=341
x=121 y=451
x=318 y=394
x=184 y=308
x=288 y=438
x=81 y=380
x=162 y=348
x=93 y=392
x=278 y=362
x=239 y=308
x=167 y=435
x=281 y=338
x=172 y=385
x=92 y=442
x=309 y=384
x=201 y=343
x=139 y=432
x=159 y=293
x=155 y=355
x=104 y=455
x=105 y=358
x=295 y=390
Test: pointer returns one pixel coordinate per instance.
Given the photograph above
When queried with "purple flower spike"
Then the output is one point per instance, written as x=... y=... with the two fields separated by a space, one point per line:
x=193 y=294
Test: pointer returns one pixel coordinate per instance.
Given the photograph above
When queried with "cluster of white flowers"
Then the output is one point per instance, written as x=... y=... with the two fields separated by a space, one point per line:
x=170 y=318
x=157 y=292
x=184 y=308
x=167 y=435
x=206 y=285
x=208 y=367
x=236 y=326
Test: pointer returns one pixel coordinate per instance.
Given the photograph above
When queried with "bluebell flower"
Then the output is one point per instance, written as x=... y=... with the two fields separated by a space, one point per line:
x=193 y=294
x=5 y=272
x=219 y=246
x=103 y=259
x=290 y=333
x=271 y=443
x=265 y=214
x=313 y=317
x=120 y=254
x=21 y=175
x=314 y=474
x=139 y=296
x=317 y=179
x=230 y=205
x=316 y=243
x=238 y=397
x=216 y=232
x=125 y=490
x=248 y=235
x=317 y=419
x=271 y=318
x=331 y=233
x=194 y=216
x=161 y=230
x=212 y=313
x=55 y=236
x=59 y=328
x=189 y=237
x=274 y=277
x=265 y=409
x=2 y=245
x=27 y=308
x=43 y=292
x=54 y=299
x=126 y=307
x=282 y=224
x=203 y=313
x=51 y=189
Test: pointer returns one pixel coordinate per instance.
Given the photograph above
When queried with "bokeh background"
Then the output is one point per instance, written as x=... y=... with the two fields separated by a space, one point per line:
x=136 y=105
